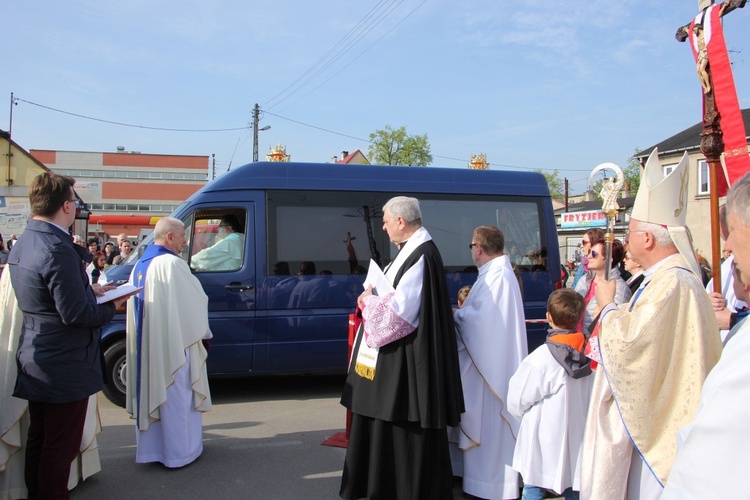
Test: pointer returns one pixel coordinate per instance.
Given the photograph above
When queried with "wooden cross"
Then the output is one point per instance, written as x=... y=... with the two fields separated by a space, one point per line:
x=712 y=142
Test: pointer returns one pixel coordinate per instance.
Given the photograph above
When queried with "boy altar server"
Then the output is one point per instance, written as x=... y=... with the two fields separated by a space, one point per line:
x=549 y=395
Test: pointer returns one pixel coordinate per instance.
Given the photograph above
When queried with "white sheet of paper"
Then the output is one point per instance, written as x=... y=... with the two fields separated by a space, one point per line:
x=124 y=290
x=376 y=278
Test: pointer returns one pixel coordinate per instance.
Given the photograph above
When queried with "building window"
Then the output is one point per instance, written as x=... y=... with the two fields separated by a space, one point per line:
x=668 y=169
x=130 y=174
x=703 y=185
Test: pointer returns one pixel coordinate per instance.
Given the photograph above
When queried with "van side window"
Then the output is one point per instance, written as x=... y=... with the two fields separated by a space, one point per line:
x=317 y=237
x=217 y=242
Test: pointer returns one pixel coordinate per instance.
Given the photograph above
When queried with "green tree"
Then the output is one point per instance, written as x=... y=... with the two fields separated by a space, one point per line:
x=396 y=147
x=633 y=173
x=555 y=183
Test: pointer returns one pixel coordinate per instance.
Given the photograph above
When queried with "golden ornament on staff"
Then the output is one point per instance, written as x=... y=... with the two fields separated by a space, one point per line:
x=611 y=187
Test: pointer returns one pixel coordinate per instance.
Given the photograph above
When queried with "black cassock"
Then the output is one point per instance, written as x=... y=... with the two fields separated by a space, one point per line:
x=398 y=446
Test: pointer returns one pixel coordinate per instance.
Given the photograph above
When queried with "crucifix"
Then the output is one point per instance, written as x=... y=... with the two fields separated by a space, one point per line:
x=719 y=100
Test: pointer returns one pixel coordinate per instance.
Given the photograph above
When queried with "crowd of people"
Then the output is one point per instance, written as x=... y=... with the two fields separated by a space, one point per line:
x=52 y=308
x=632 y=396
x=637 y=393
x=102 y=256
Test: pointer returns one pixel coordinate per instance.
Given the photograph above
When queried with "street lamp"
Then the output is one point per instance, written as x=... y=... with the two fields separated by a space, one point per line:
x=255 y=141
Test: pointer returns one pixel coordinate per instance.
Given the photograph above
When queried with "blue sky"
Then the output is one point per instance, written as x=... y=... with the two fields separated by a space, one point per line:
x=540 y=84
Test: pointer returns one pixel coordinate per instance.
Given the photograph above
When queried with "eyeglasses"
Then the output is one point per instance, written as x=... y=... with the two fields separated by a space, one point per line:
x=626 y=239
x=594 y=254
x=586 y=242
x=472 y=245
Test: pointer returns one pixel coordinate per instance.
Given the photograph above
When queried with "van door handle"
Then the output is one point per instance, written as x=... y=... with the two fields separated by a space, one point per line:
x=236 y=287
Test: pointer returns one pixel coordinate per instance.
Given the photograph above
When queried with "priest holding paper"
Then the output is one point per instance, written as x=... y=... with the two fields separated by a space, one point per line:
x=167 y=386
x=404 y=385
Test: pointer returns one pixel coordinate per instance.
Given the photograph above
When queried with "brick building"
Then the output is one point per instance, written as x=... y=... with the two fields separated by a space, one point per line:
x=128 y=191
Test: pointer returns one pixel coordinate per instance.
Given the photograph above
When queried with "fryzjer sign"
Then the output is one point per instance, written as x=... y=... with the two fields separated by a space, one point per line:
x=591 y=218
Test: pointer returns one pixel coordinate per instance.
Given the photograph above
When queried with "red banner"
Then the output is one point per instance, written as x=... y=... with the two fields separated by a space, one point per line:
x=725 y=94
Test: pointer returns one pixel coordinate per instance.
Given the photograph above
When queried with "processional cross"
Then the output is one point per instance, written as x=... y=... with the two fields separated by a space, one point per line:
x=719 y=99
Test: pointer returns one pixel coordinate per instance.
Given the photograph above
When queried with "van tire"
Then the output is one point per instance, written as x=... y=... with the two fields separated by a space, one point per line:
x=114 y=361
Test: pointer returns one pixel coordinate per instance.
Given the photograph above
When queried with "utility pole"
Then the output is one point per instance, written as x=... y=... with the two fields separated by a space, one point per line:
x=13 y=102
x=256 y=112
x=213 y=166
x=256 y=120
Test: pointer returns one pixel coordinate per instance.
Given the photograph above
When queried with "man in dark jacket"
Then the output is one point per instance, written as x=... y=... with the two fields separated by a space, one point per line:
x=59 y=352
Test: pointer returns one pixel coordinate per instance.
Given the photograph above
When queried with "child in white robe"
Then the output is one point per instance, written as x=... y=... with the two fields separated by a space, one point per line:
x=549 y=395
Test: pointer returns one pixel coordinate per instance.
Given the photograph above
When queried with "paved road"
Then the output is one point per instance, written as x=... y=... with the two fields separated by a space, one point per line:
x=262 y=440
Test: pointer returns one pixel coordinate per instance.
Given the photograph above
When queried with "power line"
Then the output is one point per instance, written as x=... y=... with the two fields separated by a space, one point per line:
x=324 y=56
x=364 y=31
x=360 y=54
x=130 y=124
x=319 y=128
x=368 y=141
x=341 y=53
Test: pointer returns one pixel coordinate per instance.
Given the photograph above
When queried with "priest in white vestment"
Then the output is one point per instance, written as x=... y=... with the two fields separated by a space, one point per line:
x=167 y=386
x=14 y=415
x=491 y=333
x=653 y=354
x=712 y=459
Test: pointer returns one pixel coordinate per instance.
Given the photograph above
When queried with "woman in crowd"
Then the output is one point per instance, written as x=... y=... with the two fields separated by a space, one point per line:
x=125 y=250
x=95 y=270
x=109 y=252
x=587 y=285
x=589 y=237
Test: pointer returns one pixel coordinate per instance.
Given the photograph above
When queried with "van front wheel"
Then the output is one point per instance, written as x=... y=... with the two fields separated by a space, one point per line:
x=114 y=361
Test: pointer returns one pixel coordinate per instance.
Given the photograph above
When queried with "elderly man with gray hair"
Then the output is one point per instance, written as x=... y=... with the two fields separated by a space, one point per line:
x=167 y=385
x=712 y=458
x=653 y=353
x=404 y=385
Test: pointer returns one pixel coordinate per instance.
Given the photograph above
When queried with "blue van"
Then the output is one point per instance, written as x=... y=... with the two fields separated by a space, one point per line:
x=310 y=231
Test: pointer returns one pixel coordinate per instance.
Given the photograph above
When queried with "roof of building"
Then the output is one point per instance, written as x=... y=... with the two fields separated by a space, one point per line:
x=6 y=135
x=688 y=139
x=348 y=158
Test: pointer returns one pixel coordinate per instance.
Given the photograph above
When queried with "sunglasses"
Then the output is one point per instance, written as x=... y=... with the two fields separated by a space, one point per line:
x=594 y=254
